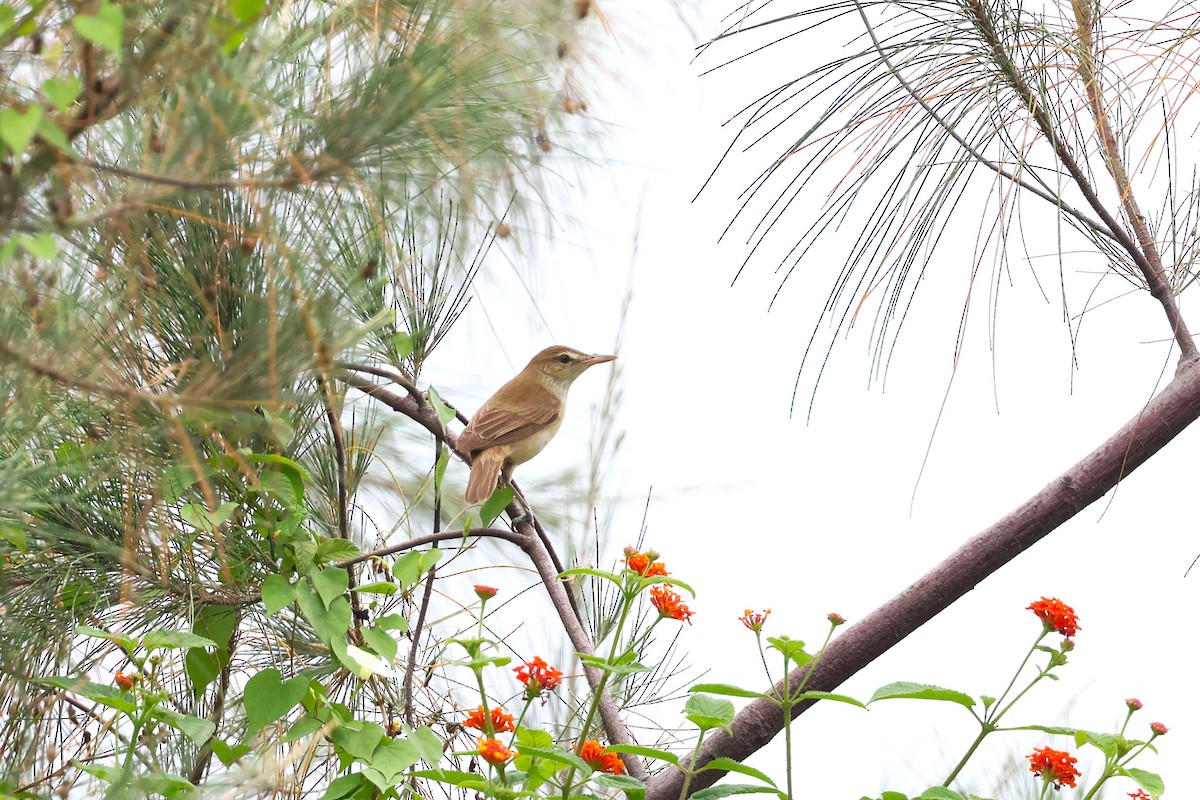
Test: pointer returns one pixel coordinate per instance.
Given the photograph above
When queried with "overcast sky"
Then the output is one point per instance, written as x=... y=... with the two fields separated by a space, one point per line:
x=757 y=508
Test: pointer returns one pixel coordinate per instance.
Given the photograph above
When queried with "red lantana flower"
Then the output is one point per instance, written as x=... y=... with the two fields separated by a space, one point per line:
x=537 y=676
x=501 y=722
x=754 y=620
x=594 y=754
x=670 y=604
x=493 y=751
x=1140 y=795
x=1158 y=728
x=1054 y=765
x=1056 y=615
x=485 y=592
x=1134 y=705
x=123 y=681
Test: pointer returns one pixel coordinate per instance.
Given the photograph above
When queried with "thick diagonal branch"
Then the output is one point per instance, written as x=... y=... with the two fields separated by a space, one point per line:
x=1160 y=421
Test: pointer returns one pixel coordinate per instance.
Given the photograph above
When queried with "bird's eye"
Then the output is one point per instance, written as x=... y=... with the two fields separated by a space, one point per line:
x=564 y=359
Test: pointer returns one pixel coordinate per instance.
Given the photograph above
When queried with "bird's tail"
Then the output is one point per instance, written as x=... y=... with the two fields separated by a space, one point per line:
x=485 y=473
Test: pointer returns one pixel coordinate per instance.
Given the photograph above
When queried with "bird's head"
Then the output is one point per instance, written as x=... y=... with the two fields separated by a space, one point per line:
x=562 y=365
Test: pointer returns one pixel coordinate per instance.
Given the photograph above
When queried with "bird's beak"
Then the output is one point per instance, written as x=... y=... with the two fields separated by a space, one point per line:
x=595 y=359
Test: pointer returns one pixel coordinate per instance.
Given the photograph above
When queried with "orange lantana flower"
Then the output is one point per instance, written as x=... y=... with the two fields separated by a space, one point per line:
x=1054 y=765
x=493 y=751
x=594 y=754
x=537 y=675
x=1140 y=795
x=754 y=620
x=123 y=681
x=1056 y=615
x=669 y=604
x=644 y=564
x=501 y=721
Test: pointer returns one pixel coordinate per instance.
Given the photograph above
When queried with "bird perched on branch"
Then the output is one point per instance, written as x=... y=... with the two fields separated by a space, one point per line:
x=521 y=417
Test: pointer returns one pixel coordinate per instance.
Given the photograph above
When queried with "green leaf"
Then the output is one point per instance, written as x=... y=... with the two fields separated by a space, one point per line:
x=404 y=345
x=105 y=28
x=330 y=583
x=267 y=698
x=358 y=738
x=408 y=568
x=303 y=727
x=792 y=649
x=40 y=246
x=465 y=780
x=175 y=640
x=728 y=690
x=17 y=128
x=390 y=760
x=381 y=643
x=359 y=662
x=939 y=793
x=619 y=668
x=336 y=550
x=392 y=622
x=198 y=516
x=247 y=11
x=836 y=698
x=62 y=92
x=428 y=744
x=228 y=754
x=1150 y=781
x=730 y=789
x=632 y=787
x=197 y=729
x=444 y=412
x=729 y=765
x=439 y=469
x=101 y=693
x=127 y=644
x=645 y=752
x=378 y=587
x=14 y=536
x=277 y=593
x=708 y=712
x=53 y=133
x=344 y=786
x=556 y=755
x=595 y=573
x=920 y=691
x=494 y=505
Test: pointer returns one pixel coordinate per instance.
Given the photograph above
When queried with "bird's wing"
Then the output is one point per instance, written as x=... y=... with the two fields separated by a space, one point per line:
x=498 y=423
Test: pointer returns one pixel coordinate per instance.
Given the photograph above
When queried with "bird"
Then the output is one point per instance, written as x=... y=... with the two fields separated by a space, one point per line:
x=521 y=418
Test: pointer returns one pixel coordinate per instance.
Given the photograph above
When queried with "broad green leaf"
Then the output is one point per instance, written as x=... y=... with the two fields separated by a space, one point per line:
x=267 y=698
x=198 y=516
x=14 y=536
x=670 y=582
x=104 y=772
x=729 y=765
x=53 y=133
x=408 y=568
x=392 y=622
x=105 y=28
x=359 y=662
x=708 y=712
x=344 y=786
x=632 y=787
x=494 y=505
x=333 y=550
x=62 y=92
x=465 y=780
x=1150 y=781
x=621 y=668
x=730 y=789
x=17 y=128
x=381 y=643
x=557 y=755
x=277 y=593
x=247 y=11
x=330 y=623
x=428 y=744
x=101 y=693
x=792 y=649
x=358 y=738
x=330 y=583
x=836 y=698
x=175 y=640
x=533 y=737
x=40 y=246
x=403 y=343
x=920 y=691
x=197 y=729
x=595 y=573
x=444 y=412
x=228 y=754
x=727 y=690
x=390 y=760
x=303 y=727
x=645 y=752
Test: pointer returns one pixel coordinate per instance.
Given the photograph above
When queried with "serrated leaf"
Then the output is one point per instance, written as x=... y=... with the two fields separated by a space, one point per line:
x=465 y=780
x=128 y=644
x=836 y=698
x=336 y=550
x=707 y=712
x=1150 y=781
x=729 y=765
x=495 y=505
x=595 y=573
x=105 y=28
x=632 y=787
x=728 y=690
x=557 y=755
x=175 y=640
x=938 y=793
x=101 y=693
x=920 y=691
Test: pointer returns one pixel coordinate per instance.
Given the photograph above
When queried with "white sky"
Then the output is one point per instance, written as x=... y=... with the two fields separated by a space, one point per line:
x=757 y=509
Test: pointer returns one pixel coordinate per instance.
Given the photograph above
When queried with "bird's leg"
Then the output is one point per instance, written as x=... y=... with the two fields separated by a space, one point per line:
x=526 y=514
